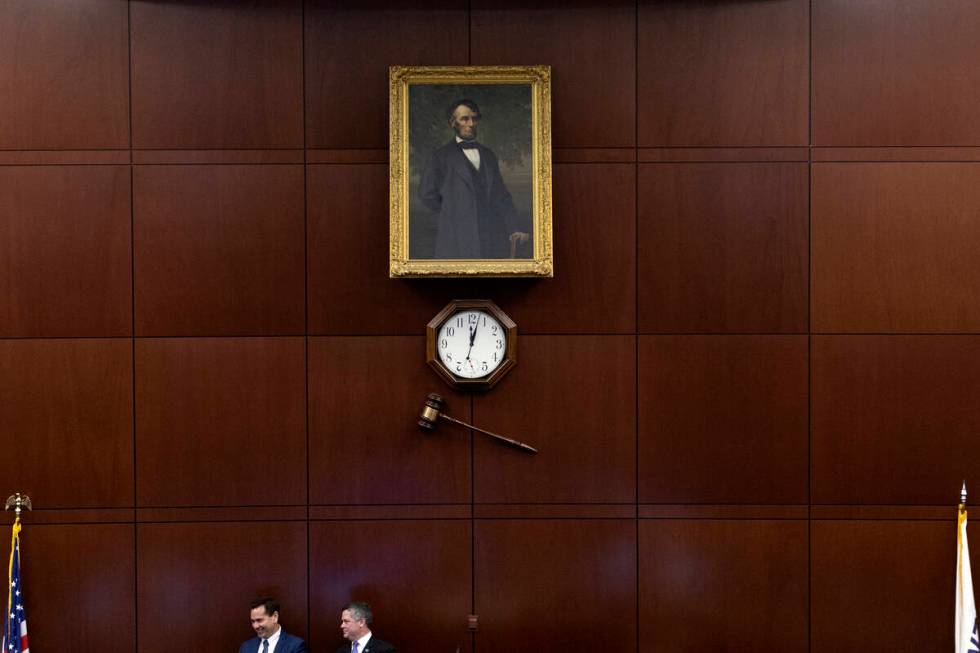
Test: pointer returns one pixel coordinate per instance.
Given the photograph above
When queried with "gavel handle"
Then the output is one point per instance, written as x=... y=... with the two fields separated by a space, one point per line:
x=516 y=443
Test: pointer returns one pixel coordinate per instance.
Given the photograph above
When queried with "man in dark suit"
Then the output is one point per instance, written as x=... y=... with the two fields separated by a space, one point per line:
x=462 y=186
x=269 y=635
x=355 y=624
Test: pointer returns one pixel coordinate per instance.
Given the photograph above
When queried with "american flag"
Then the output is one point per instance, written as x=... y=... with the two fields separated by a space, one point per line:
x=15 y=632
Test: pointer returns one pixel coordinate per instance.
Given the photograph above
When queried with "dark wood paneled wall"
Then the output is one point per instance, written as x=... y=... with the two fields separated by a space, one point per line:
x=753 y=379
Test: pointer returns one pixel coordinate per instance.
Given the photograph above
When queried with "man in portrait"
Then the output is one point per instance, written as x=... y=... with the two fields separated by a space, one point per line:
x=461 y=184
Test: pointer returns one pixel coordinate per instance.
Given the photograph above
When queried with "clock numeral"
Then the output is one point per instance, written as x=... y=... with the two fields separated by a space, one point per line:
x=443 y=343
x=473 y=318
x=459 y=366
x=494 y=357
x=450 y=331
x=493 y=330
x=459 y=321
x=500 y=344
x=449 y=357
x=484 y=367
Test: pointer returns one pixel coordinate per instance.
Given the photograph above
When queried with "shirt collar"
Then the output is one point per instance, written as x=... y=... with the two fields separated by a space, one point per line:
x=362 y=642
x=274 y=638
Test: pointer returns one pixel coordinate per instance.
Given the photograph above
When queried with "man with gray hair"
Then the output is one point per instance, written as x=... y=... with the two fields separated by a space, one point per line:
x=462 y=186
x=355 y=624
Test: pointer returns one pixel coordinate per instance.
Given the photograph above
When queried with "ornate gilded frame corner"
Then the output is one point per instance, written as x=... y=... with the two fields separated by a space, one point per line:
x=541 y=264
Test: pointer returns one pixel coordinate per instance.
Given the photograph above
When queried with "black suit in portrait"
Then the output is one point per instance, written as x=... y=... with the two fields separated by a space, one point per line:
x=475 y=213
x=374 y=645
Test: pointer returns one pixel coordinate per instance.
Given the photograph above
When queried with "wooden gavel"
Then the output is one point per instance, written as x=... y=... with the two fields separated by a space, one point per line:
x=432 y=413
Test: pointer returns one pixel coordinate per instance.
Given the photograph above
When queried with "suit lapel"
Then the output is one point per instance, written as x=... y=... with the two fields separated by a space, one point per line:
x=461 y=165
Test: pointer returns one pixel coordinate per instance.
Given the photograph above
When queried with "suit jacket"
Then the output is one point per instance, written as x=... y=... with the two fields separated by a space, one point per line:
x=449 y=190
x=287 y=644
x=374 y=645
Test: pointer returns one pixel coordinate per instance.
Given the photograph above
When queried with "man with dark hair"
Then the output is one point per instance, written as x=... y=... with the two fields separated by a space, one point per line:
x=462 y=186
x=269 y=635
x=355 y=624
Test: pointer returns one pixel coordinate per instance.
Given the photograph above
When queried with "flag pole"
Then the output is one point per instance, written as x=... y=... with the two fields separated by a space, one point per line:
x=965 y=637
x=15 y=630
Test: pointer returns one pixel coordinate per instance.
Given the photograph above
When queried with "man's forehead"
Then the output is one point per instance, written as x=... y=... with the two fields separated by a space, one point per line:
x=463 y=110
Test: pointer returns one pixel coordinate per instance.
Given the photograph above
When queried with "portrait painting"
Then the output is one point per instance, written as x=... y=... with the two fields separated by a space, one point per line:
x=470 y=171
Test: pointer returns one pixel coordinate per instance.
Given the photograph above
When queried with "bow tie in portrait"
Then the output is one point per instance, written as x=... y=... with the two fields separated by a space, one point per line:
x=468 y=145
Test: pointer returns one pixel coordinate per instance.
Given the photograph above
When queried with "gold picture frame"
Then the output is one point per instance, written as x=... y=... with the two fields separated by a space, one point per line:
x=470 y=171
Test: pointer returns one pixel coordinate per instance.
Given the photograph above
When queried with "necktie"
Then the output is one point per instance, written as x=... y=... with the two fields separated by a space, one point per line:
x=353 y=647
x=467 y=145
x=265 y=646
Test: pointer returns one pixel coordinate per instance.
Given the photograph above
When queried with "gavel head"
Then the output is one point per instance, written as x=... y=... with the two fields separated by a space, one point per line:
x=430 y=411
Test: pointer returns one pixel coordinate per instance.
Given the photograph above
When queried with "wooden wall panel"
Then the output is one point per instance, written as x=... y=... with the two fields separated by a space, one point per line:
x=220 y=74
x=63 y=75
x=365 y=396
x=734 y=585
x=347 y=269
x=894 y=247
x=79 y=586
x=882 y=586
x=894 y=418
x=543 y=585
x=723 y=73
x=219 y=250
x=347 y=83
x=595 y=254
x=573 y=398
x=229 y=404
x=65 y=251
x=895 y=72
x=722 y=247
x=67 y=421
x=416 y=575
x=723 y=419
x=213 y=571
x=595 y=80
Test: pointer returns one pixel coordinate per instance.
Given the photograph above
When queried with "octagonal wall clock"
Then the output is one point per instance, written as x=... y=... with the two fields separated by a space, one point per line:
x=471 y=343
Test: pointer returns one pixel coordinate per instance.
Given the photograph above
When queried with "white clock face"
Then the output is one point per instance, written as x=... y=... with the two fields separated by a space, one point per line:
x=472 y=344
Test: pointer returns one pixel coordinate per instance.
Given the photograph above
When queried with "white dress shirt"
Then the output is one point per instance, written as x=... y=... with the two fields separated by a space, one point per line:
x=361 y=643
x=273 y=640
x=472 y=153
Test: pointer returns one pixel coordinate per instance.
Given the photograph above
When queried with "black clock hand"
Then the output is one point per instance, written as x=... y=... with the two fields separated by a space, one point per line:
x=472 y=338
